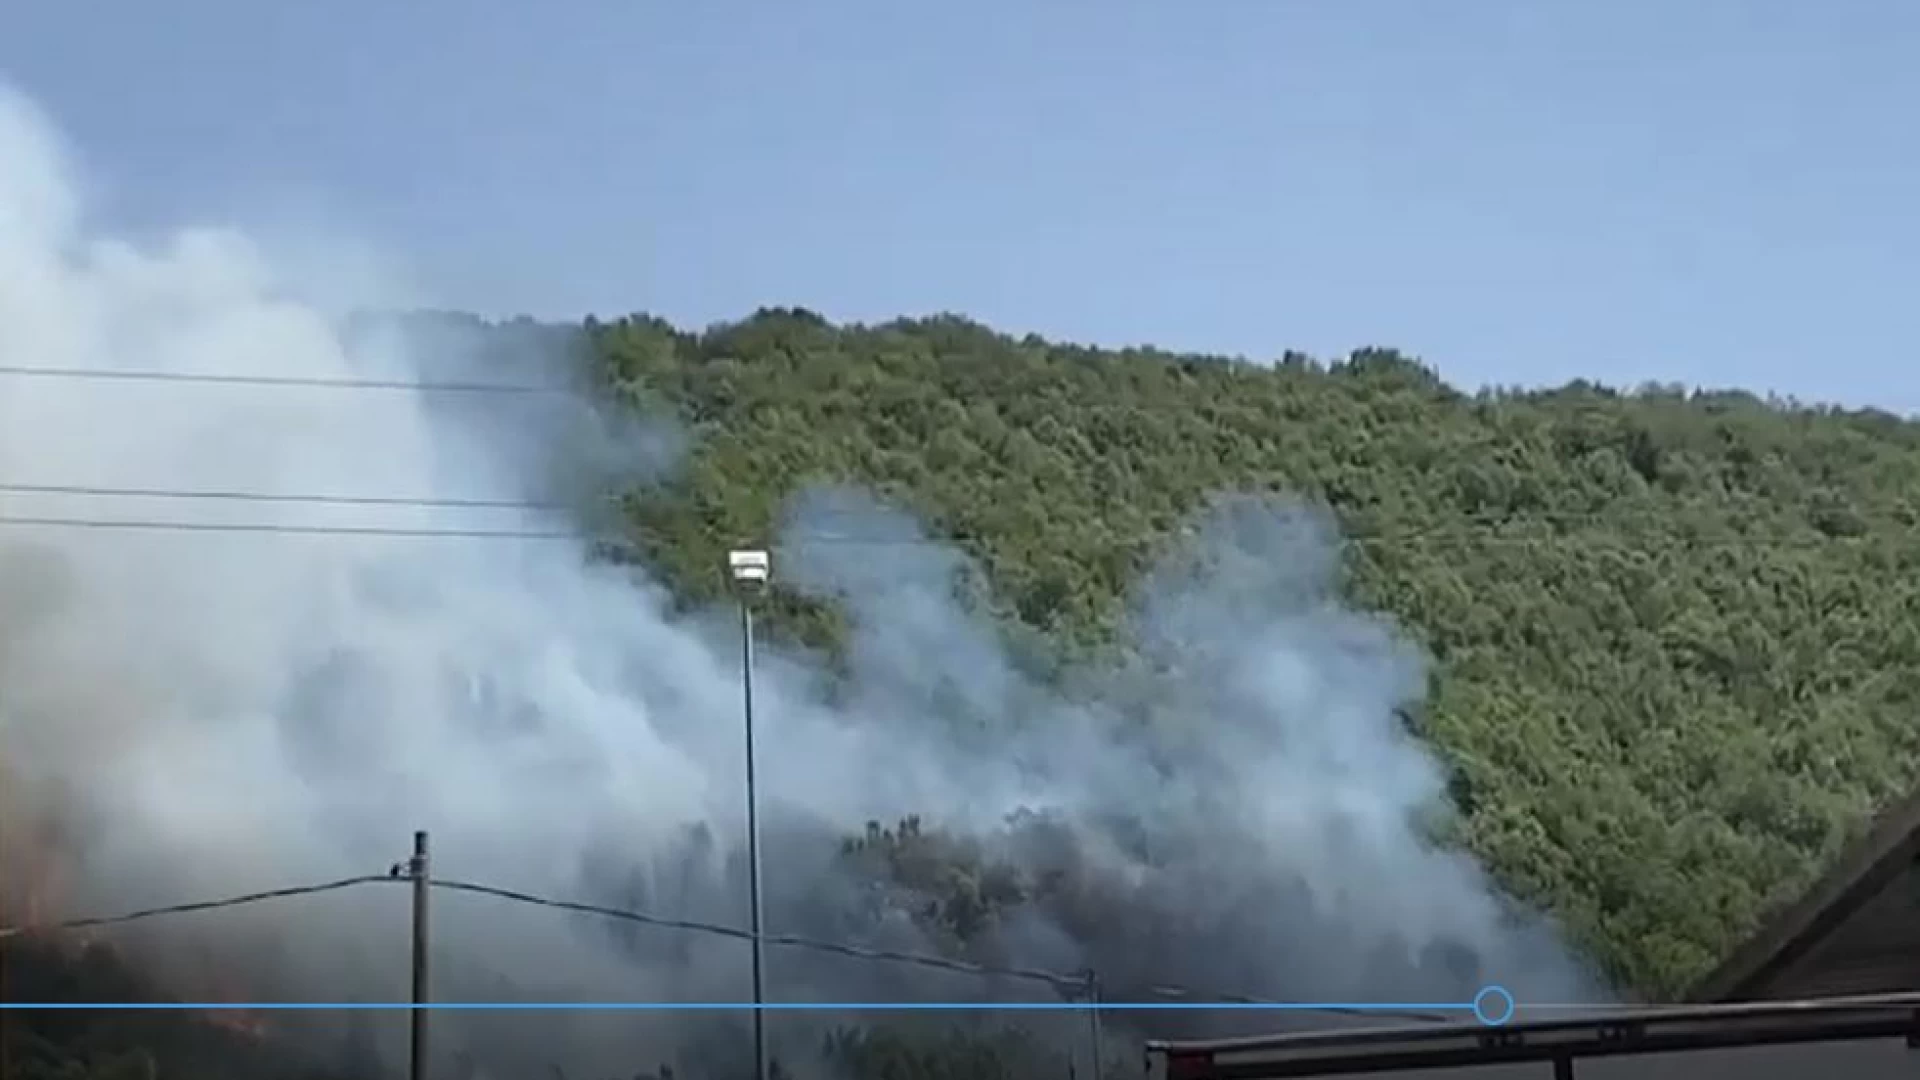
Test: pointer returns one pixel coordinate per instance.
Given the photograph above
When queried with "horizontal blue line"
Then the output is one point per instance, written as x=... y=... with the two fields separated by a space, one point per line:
x=798 y=1006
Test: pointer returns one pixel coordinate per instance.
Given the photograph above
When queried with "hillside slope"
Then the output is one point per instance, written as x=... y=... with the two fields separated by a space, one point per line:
x=1675 y=635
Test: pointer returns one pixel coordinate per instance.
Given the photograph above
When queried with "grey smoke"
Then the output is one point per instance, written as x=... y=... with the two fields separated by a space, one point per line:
x=1234 y=805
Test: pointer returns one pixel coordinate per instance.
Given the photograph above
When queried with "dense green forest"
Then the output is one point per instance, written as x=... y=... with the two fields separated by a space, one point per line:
x=1676 y=635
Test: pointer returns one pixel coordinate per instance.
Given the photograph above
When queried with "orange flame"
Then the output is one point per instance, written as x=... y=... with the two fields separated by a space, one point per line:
x=35 y=875
x=245 y=1022
x=34 y=880
x=240 y=1021
x=31 y=875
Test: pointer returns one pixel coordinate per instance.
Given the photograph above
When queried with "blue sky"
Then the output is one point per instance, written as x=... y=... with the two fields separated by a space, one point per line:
x=1522 y=191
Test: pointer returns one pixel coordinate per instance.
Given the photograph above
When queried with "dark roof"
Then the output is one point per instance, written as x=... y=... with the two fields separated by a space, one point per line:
x=1600 y=1032
x=1861 y=875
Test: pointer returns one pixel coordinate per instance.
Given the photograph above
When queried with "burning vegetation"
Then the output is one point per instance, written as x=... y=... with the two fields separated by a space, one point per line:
x=32 y=869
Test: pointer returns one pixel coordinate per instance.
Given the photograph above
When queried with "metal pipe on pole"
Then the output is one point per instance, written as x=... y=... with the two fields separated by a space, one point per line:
x=417 y=869
x=750 y=571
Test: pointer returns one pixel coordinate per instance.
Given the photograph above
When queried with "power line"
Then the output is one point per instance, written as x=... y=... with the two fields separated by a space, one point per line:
x=149 y=525
x=199 y=905
x=1071 y=982
x=1078 y=984
x=295 y=381
x=132 y=524
x=261 y=527
x=319 y=382
x=429 y=386
x=1349 y=531
x=434 y=502
x=1068 y=982
x=425 y=503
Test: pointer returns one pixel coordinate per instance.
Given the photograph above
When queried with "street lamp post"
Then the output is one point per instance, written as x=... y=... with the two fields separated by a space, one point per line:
x=751 y=569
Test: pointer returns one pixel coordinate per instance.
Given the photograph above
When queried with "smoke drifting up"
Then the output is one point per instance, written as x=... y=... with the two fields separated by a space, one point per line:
x=1234 y=806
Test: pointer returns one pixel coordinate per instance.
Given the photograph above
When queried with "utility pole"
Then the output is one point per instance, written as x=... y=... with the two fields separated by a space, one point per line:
x=1093 y=1021
x=417 y=870
x=750 y=572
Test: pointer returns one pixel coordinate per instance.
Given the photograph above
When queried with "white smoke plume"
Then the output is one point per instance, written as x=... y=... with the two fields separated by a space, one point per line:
x=202 y=713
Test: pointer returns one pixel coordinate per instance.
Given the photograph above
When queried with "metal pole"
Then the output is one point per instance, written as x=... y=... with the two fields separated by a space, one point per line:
x=760 y=1064
x=1093 y=1020
x=417 y=869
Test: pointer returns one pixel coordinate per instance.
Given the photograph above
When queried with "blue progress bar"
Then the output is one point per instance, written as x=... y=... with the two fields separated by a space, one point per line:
x=1493 y=1006
x=782 y=1006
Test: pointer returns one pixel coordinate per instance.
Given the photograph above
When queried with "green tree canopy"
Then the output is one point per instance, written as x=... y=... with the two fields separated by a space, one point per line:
x=1675 y=633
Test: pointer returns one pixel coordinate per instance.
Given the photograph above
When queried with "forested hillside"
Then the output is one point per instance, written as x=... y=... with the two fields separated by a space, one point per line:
x=1677 y=636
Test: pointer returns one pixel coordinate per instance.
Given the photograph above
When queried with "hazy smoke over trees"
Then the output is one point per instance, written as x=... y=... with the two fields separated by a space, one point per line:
x=1231 y=802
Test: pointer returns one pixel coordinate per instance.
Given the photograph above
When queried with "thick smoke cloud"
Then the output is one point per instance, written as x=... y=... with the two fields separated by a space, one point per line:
x=194 y=713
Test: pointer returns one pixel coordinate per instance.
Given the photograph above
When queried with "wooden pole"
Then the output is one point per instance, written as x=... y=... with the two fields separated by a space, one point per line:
x=417 y=1050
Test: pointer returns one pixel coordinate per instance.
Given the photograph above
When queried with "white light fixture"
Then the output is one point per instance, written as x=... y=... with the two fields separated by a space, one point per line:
x=749 y=567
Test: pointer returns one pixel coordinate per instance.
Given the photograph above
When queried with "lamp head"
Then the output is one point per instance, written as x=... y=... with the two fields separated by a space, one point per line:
x=750 y=568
